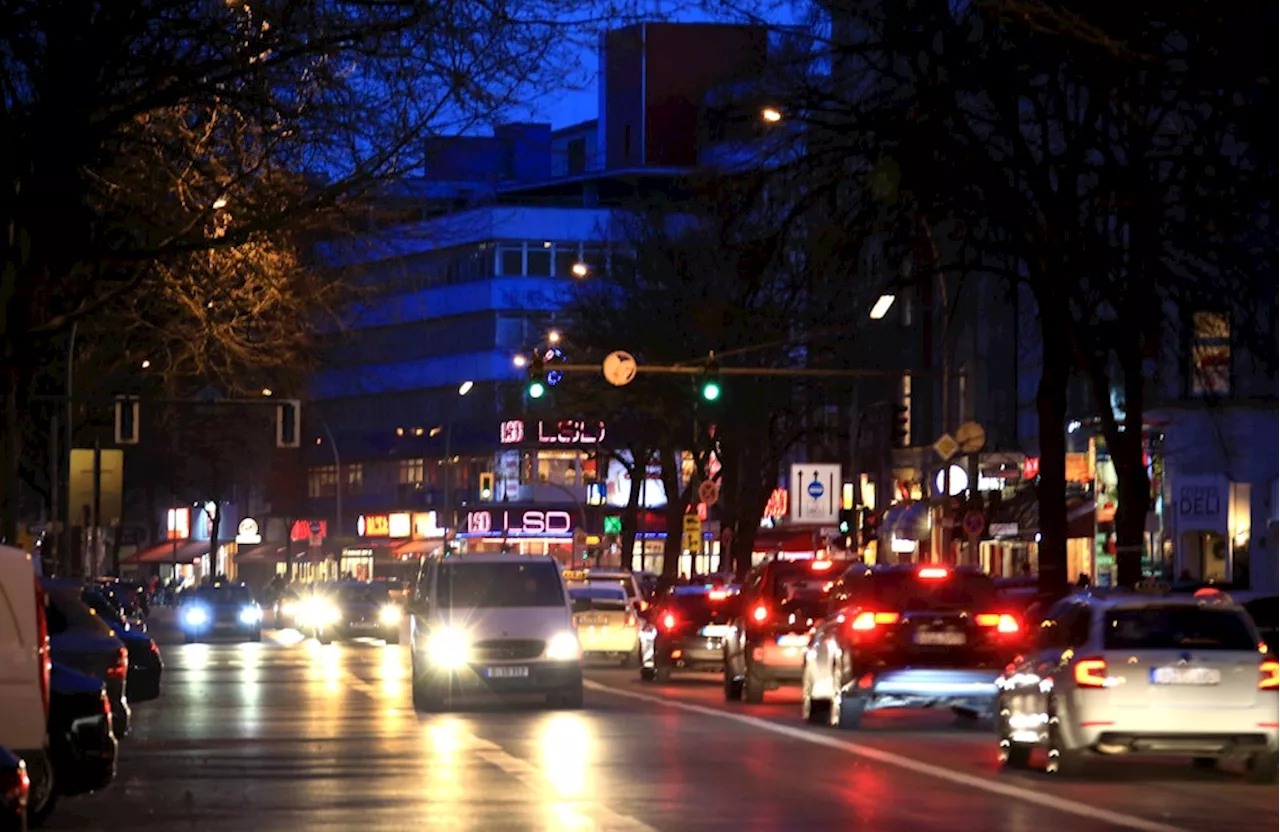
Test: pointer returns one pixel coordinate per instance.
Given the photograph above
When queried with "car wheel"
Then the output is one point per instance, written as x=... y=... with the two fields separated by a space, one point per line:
x=426 y=700
x=845 y=712
x=814 y=711
x=187 y=638
x=323 y=637
x=1204 y=763
x=570 y=698
x=646 y=674
x=661 y=674
x=1263 y=768
x=44 y=791
x=1014 y=755
x=732 y=687
x=753 y=688
x=1063 y=760
x=631 y=659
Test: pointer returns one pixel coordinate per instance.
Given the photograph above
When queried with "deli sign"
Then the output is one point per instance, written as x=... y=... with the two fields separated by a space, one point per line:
x=531 y=523
x=1200 y=503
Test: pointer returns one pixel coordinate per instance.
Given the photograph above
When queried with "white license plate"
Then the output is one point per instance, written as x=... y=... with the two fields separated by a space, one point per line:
x=593 y=620
x=716 y=630
x=507 y=672
x=793 y=640
x=940 y=639
x=1185 y=676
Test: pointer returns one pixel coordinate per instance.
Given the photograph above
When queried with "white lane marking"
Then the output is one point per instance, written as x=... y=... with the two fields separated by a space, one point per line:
x=1060 y=804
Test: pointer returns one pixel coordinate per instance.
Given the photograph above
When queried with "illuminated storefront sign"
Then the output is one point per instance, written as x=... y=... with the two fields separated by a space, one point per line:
x=373 y=525
x=564 y=432
x=399 y=525
x=307 y=529
x=248 y=533
x=178 y=526
x=778 y=504
x=532 y=523
x=425 y=524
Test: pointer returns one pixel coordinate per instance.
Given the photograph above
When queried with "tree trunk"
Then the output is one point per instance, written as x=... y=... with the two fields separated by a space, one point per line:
x=215 y=522
x=752 y=499
x=1051 y=408
x=673 y=547
x=631 y=513
x=1133 y=485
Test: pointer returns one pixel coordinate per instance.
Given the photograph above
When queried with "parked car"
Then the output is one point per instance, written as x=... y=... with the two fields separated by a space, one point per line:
x=15 y=787
x=82 y=740
x=84 y=642
x=145 y=666
x=24 y=677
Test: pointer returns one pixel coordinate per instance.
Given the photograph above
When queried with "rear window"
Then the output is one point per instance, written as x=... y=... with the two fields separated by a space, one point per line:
x=625 y=585
x=1177 y=628
x=75 y=613
x=803 y=582
x=461 y=585
x=907 y=591
x=598 y=593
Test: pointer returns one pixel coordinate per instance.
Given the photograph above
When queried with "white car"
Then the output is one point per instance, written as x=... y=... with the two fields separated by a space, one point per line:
x=608 y=626
x=1140 y=675
x=609 y=577
x=493 y=624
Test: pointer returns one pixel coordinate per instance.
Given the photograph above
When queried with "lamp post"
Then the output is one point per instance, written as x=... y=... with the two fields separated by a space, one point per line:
x=463 y=389
x=337 y=469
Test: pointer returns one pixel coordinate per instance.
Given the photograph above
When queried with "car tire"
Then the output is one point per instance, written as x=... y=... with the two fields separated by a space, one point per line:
x=732 y=687
x=323 y=637
x=1263 y=768
x=256 y=635
x=647 y=674
x=846 y=712
x=568 y=699
x=661 y=674
x=1063 y=761
x=425 y=700
x=752 y=688
x=1016 y=755
x=814 y=711
x=631 y=659
x=38 y=811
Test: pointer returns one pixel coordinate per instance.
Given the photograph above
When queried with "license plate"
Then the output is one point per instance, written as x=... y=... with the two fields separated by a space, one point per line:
x=365 y=625
x=940 y=639
x=793 y=640
x=715 y=630
x=1185 y=676
x=507 y=672
x=593 y=620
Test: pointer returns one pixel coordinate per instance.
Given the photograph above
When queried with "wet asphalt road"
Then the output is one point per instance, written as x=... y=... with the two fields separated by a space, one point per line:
x=292 y=735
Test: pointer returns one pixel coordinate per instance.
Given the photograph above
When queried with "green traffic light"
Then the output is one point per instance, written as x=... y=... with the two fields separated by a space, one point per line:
x=844 y=527
x=536 y=389
x=711 y=391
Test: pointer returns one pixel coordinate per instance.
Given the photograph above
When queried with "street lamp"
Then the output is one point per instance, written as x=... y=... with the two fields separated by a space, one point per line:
x=580 y=269
x=520 y=361
x=553 y=337
x=463 y=389
x=771 y=115
x=882 y=307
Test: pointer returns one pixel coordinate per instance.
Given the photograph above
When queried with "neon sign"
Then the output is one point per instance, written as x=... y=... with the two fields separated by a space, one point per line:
x=373 y=525
x=531 y=523
x=564 y=432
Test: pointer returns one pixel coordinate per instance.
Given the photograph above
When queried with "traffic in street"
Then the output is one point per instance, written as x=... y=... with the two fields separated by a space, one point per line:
x=289 y=733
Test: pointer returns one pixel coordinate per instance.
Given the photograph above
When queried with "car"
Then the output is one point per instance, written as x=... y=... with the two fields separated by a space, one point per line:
x=609 y=577
x=15 y=791
x=84 y=642
x=686 y=631
x=492 y=624
x=608 y=626
x=288 y=605
x=351 y=609
x=145 y=666
x=1123 y=674
x=219 y=609
x=81 y=737
x=908 y=636
x=25 y=668
x=780 y=601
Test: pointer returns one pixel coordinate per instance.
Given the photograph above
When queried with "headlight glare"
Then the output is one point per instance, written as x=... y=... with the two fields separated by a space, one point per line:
x=196 y=616
x=563 y=647
x=389 y=614
x=448 y=648
x=250 y=615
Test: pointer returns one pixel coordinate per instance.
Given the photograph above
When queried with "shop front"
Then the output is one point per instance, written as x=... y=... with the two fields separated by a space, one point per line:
x=388 y=545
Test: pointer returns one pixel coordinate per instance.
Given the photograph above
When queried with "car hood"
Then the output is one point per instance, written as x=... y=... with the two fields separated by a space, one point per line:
x=507 y=622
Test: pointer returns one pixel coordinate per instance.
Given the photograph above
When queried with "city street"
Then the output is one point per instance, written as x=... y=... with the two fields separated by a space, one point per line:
x=289 y=735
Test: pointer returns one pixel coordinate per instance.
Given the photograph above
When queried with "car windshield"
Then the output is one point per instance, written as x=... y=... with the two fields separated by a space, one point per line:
x=622 y=584
x=362 y=594
x=1177 y=627
x=598 y=593
x=461 y=585
x=913 y=592
x=222 y=595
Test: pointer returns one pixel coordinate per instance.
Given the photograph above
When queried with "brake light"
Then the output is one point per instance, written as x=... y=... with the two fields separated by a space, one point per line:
x=865 y=621
x=933 y=573
x=1091 y=673
x=1003 y=622
x=121 y=668
x=43 y=657
x=760 y=613
x=669 y=621
x=1269 y=675
x=820 y=565
x=717 y=595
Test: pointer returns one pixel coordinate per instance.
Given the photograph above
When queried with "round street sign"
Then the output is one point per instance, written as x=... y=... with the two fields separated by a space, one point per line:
x=619 y=368
x=816 y=490
x=709 y=492
x=974 y=523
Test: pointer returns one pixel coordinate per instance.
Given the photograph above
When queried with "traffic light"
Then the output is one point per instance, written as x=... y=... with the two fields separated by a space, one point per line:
x=900 y=428
x=537 y=387
x=870 y=526
x=711 y=383
x=289 y=424
x=848 y=520
x=127 y=411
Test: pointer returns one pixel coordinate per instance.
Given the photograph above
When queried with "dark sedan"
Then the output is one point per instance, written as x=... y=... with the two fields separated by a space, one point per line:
x=353 y=609
x=82 y=741
x=145 y=666
x=223 y=609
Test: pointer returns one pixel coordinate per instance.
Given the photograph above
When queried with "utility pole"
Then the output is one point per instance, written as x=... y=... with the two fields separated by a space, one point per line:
x=97 y=508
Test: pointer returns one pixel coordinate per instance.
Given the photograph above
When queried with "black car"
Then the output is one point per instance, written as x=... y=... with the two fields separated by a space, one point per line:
x=15 y=786
x=82 y=741
x=145 y=666
x=686 y=631
x=221 y=609
x=352 y=609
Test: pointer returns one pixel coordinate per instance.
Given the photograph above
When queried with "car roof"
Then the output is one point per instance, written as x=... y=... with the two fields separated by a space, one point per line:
x=1113 y=599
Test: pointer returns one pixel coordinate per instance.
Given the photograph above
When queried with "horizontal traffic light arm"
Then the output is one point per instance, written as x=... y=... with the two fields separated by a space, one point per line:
x=697 y=370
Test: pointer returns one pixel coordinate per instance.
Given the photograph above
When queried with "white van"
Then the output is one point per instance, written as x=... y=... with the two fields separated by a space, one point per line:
x=496 y=624
x=24 y=673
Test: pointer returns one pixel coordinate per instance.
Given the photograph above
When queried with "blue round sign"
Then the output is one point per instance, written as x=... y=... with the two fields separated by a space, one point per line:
x=816 y=490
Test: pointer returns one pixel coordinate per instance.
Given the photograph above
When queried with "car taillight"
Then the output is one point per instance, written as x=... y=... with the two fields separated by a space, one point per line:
x=1091 y=673
x=933 y=573
x=760 y=614
x=867 y=621
x=820 y=565
x=121 y=668
x=17 y=787
x=669 y=621
x=43 y=656
x=1269 y=675
x=1002 y=622
x=717 y=595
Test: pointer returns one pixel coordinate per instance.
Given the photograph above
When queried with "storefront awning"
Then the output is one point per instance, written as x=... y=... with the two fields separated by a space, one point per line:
x=417 y=547
x=186 y=552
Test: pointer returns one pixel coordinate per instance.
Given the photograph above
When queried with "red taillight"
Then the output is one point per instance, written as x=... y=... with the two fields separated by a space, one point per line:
x=866 y=621
x=121 y=668
x=760 y=613
x=42 y=648
x=669 y=621
x=820 y=565
x=717 y=595
x=933 y=573
x=1269 y=675
x=1091 y=673
x=1003 y=622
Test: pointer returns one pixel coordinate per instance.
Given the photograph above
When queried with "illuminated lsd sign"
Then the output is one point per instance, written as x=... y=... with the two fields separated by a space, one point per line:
x=373 y=525
x=532 y=523
x=563 y=432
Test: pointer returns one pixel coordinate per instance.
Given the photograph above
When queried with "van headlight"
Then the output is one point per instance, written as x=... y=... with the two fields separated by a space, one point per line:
x=250 y=615
x=448 y=648
x=563 y=647
x=389 y=614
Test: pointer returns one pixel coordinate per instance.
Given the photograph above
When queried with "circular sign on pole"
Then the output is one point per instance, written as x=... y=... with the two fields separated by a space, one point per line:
x=709 y=492
x=619 y=368
x=974 y=523
x=816 y=490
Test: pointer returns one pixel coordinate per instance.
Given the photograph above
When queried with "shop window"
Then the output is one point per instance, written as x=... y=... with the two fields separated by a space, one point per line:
x=322 y=481
x=411 y=472
x=1209 y=365
x=355 y=479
